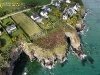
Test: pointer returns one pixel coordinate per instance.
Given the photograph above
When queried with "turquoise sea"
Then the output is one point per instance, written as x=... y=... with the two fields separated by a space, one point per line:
x=91 y=45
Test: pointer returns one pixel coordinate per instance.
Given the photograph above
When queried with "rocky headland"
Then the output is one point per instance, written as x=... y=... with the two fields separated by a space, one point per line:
x=48 y=57
x=48 y=50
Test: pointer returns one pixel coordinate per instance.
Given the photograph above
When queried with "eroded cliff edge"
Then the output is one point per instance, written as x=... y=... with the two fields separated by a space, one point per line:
x=47 y=56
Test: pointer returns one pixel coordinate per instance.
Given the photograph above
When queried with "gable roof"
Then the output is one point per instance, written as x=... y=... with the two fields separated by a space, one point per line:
x=76 y=7
x=71 y=11
x=9 y=29
x=56 y=3
x=35 y=15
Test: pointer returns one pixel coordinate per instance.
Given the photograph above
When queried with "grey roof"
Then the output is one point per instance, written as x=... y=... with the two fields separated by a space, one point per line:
x=70 y=11
x=10 y=28
x=66 y=14
x=56 y=3
x=35 y=15
x=46 y=10
x=77 y=5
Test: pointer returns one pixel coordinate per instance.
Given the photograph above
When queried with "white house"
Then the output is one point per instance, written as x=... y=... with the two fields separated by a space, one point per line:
x=56 y=3
x=60 y=1
x=11 y=28
x=35 y=17
x=68 y=1
x=44 y=14
x=76 y=7
x=45 y=11
x=65 y=16
x=71 y=11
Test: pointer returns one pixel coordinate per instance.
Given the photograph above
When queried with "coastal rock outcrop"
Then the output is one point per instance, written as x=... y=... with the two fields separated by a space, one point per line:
x=14 y=55
x=47 y=58
x=75 y=44
x=80 y=25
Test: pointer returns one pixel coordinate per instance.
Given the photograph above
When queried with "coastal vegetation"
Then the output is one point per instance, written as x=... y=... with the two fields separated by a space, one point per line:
x=50 y=33
x=49 y=42
x=78 y=1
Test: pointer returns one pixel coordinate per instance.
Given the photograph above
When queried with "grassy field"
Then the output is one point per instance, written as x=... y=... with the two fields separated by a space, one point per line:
x=6 y=41
x=7 y=21
x=38 y=2
x=26 y=23
x=10 y=8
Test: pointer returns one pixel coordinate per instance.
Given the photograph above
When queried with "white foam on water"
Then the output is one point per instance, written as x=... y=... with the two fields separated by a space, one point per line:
x=25 y=73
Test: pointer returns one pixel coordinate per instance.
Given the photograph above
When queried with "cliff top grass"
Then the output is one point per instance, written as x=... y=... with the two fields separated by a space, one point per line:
x=59 y=50
x=50 y=41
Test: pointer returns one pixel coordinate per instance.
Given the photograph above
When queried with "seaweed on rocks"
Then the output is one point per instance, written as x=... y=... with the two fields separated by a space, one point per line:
x=90 y=59
x=84 y=61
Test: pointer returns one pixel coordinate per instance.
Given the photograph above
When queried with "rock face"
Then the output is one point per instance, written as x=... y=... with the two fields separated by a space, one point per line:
x=14 y=55
x=80 y=26
x=75 y=44
x=47 y=58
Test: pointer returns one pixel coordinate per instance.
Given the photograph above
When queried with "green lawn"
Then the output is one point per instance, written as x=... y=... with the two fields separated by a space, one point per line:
x=38 y=2
x=49 y=22
x=78 y=1
x=17 y=32
x=7 y=21
x=26 y=23
x=11 y=8
x=28 y=13
x=6 y=41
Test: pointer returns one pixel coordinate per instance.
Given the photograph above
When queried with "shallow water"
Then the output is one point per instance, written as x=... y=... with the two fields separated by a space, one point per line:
x=91 y=46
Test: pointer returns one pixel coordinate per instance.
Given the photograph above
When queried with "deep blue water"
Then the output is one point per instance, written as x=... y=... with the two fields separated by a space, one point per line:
x=91 y=46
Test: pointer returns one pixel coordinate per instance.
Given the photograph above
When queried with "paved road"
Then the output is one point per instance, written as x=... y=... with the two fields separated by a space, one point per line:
x=14 y=14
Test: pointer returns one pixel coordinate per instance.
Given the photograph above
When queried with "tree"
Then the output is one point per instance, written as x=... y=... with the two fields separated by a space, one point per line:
x=57 y=13
x=69 y=21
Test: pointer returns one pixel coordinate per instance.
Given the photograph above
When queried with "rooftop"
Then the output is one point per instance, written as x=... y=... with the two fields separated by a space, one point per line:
x=9 y=29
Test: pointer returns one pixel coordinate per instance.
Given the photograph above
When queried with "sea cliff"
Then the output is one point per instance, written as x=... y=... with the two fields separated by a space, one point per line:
x=51 y=47
x=48 y=58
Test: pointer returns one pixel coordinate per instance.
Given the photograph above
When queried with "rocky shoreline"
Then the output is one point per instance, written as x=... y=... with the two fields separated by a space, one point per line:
x=50 y=61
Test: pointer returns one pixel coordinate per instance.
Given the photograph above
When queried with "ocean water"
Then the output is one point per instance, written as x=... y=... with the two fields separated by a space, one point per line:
x=90 y=39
